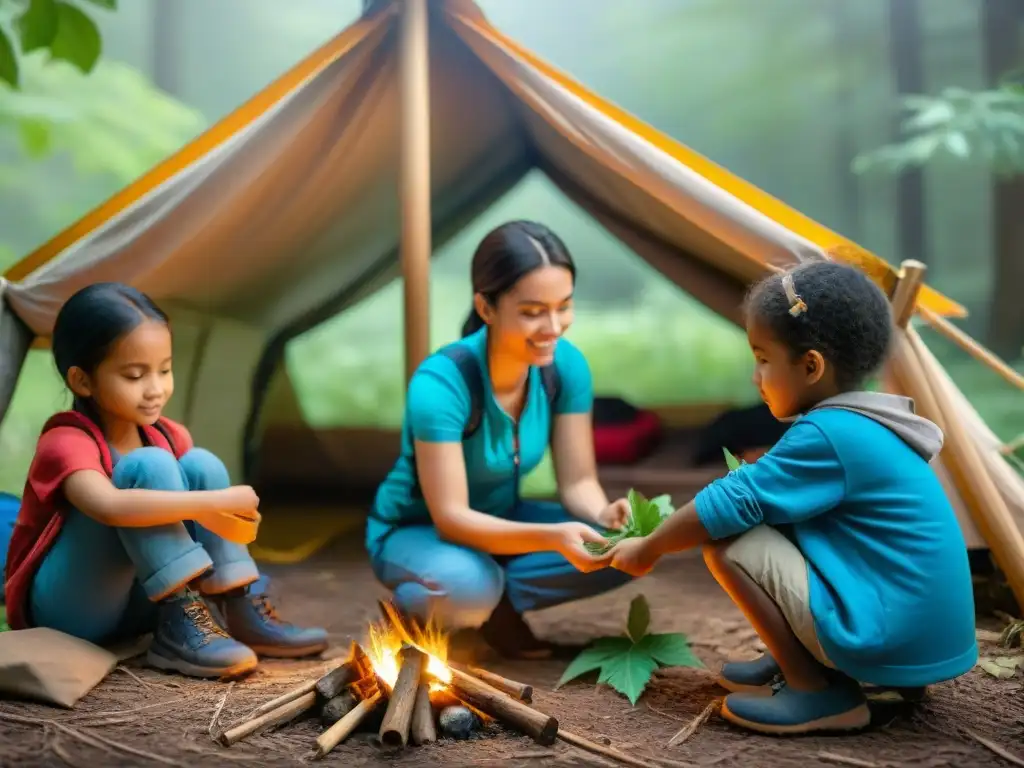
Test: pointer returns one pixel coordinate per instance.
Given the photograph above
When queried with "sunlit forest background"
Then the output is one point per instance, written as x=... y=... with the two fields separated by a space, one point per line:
x=899 y=123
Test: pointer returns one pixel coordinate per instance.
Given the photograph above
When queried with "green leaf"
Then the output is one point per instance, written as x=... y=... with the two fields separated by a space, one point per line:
x=956 y=143
x=595 y=657
x=110 y=5
x=8 y=61
x=37 y=26
x=639 y=618
x=629 y=673
x=730 y=461
x=36 y=137
x=3 y=619
x=663 y=504
x=670 y=650
x=646 y=516
x=78 y=38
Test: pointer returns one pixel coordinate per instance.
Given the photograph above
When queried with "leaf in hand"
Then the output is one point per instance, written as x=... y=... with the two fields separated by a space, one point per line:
x=37 y=26
x=78 y=38
x=663 y=504
x=639 y=618
x=646 y=516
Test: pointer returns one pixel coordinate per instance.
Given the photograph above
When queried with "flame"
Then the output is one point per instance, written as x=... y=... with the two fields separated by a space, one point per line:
x=385 y=643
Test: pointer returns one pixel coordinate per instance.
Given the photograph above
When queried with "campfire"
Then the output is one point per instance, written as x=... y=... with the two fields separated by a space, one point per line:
x=402 y=678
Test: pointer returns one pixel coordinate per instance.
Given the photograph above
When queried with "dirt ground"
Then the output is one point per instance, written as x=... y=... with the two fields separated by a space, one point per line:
x=138 y=717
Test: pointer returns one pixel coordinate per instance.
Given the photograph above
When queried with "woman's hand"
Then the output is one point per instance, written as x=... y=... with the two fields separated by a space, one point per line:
x=615 y=515
x=632 y=556
x=569 y=541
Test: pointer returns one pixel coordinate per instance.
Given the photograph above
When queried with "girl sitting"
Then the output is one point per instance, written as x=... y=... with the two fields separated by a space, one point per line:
x=106 y=546
x=838 y=544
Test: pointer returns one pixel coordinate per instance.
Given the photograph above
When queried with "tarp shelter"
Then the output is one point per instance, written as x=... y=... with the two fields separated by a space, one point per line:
x=321 y=188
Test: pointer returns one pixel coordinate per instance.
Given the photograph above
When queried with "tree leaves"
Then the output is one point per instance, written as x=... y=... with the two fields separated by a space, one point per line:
x=8 y=61
x=78 y=38
x=627 y=663
x=731 y=461
x=1003 y=667
x=63 y=29
x=37 y=26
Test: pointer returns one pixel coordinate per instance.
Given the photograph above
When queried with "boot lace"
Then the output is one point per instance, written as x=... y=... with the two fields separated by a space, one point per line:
x=265 y=608
x=199 y=614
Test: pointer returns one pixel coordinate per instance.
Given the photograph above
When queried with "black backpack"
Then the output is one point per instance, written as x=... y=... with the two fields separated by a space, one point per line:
x=469 y=368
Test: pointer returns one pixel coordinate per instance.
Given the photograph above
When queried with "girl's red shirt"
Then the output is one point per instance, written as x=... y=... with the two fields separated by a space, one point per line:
x=70 y=442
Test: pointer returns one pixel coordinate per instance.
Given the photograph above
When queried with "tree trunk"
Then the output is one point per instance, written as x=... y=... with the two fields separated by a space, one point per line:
x=908 y=71
x=1001 y=27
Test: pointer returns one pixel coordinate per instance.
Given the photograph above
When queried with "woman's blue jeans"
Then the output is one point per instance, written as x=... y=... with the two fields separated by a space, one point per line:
x=101 y=583
x=461 y=587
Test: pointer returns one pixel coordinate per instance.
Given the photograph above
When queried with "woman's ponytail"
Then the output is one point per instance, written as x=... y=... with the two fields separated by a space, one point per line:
x=473 y=323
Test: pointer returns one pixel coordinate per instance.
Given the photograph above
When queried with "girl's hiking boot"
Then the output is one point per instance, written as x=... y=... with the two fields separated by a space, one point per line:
x=250 y=617
x=753 y=677
x=187 y=640
x=839 y=707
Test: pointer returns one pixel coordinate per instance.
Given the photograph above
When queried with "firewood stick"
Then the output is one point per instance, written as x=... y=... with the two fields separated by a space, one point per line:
x=423 y=730
x=446 y=698
x=394 y=731
x=279 y=716
x=542 y=728
x=341 y=730
x=513 y=688
x=598 y=749
x=353 y=669
x=284 y=698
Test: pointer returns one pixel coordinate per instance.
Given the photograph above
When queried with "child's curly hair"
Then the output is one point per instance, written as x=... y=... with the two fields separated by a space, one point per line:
x=829 y=307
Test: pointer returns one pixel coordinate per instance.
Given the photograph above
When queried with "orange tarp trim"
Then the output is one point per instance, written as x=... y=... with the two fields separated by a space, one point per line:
x=220 y=132
x=833 y=243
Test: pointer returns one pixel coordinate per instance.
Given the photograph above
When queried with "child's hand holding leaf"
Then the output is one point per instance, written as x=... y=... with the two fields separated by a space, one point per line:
x=632 y=556
x=614 y=516
x=571 y=540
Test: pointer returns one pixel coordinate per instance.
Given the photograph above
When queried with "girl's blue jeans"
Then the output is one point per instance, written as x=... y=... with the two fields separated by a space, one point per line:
x=101 y=583
x=461 y=587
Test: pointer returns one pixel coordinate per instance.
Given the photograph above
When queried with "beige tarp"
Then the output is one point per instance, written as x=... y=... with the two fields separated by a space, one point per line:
x=287 y=211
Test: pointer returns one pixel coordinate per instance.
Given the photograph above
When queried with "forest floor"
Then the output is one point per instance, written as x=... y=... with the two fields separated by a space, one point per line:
x=139 y=717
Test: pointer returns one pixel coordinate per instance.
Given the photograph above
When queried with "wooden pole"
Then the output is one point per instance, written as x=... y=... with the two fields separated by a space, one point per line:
x=341 y=730
x=987 y=507
x=414 y=181
x=513 y=688
x=280 y=716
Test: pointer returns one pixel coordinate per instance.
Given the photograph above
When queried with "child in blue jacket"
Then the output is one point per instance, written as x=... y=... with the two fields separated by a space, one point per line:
x=839 y=544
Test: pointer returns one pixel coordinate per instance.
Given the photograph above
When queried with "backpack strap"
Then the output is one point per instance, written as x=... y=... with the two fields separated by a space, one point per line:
x=469 y=369
x=163 y=430
x=551 y=380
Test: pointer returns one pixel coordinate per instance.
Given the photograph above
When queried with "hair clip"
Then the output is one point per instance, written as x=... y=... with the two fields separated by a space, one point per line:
x=796 y=305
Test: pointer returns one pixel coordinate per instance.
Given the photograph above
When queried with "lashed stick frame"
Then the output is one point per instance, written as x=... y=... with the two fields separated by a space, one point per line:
x=985 y=504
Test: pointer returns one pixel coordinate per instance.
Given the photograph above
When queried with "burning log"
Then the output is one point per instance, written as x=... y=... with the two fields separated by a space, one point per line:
x=342 y=729
x=512 y=712
x=354 y=669
x=513 y=688
x=394 y=731
x=337 y=708
x=422 y=730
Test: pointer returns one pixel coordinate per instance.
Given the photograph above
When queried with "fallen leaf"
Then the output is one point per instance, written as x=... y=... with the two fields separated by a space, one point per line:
x=997 y=670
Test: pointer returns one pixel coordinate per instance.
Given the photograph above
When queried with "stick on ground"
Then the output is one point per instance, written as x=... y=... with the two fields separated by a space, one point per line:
x=524 y=718
x=274 y=717
x=690 y=728
x=832 y=757
x=513 y=688
x=996 y=749
x=590 y=746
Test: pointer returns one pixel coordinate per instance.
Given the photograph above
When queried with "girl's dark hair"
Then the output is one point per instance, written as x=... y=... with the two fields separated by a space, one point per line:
x=92 y=321
x=506 y=255
x=847 y=319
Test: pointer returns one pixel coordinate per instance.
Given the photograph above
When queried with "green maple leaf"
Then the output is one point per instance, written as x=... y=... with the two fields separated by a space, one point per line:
x=670 y=650
x=644 y=516
x=627 y=663
x=629 y=673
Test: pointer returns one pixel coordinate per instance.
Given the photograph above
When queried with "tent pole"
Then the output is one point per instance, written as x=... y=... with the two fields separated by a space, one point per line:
x=414 y=68
x=985 y=503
